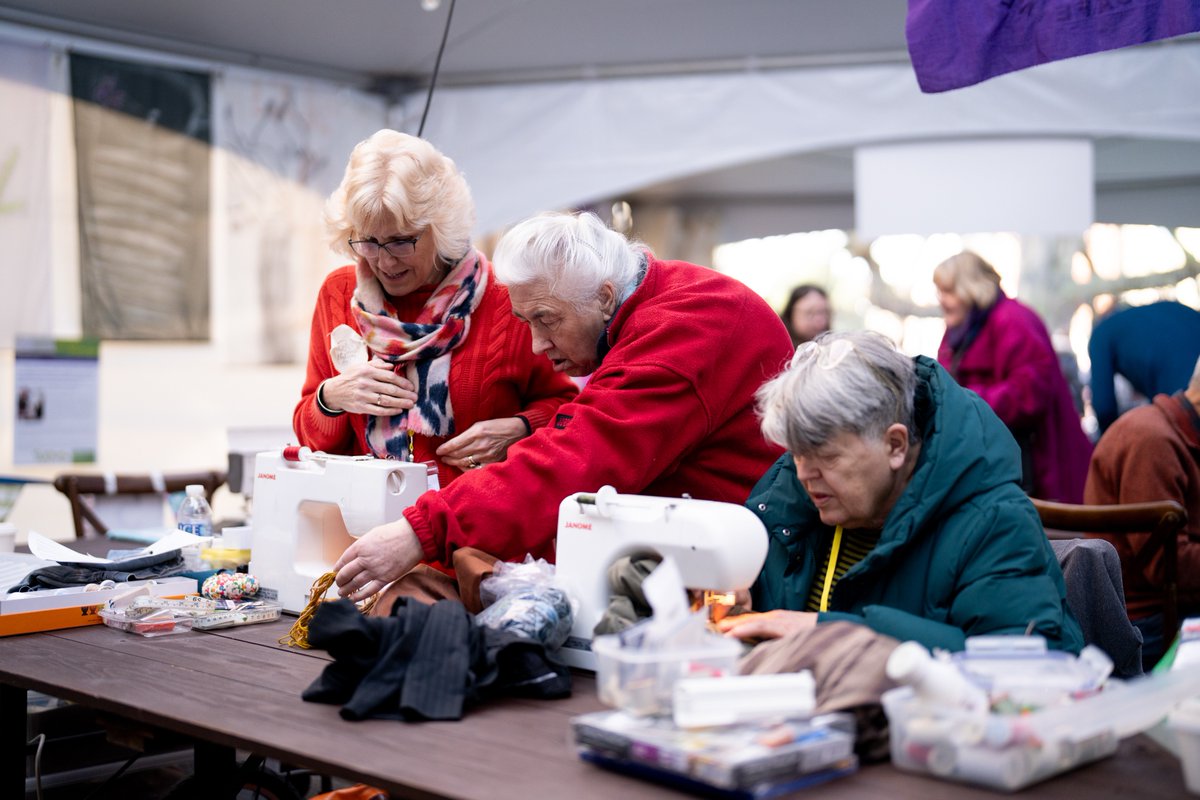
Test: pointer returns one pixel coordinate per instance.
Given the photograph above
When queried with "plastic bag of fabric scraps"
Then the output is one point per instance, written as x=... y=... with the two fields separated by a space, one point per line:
x=524 y=599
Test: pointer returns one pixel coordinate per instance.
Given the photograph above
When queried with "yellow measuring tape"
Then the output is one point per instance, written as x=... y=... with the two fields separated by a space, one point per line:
x=833 y=557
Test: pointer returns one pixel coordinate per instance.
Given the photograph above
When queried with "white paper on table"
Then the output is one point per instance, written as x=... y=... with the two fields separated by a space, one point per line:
x=50 y=550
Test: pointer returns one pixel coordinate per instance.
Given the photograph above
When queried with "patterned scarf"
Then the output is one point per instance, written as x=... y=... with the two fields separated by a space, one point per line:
x=422 y=346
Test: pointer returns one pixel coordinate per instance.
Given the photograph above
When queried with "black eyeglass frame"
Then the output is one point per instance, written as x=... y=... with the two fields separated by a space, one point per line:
x=409 y=241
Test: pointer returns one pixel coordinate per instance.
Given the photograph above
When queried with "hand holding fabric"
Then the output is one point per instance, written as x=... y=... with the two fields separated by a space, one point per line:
x=376 y=559
x=369 y=388
x=485 y=442
x=768 y=625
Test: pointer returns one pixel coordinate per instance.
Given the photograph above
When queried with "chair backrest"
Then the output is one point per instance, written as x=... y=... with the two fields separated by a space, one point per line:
x=1162 y=519
x=79 y=486
x=1091 y=569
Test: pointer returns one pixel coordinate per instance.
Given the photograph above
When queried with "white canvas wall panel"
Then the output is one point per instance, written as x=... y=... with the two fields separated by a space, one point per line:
x=26 y=305
x=283 y=146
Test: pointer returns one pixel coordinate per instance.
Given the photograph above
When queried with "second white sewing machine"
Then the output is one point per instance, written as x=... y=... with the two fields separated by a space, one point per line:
x=308 y=508
x=717 y=546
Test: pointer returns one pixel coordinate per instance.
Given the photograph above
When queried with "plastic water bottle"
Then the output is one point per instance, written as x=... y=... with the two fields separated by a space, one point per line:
x=194 y=517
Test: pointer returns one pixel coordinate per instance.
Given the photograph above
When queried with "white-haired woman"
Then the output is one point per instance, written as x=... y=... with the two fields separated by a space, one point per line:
x=999 y=348
x=897 y=506
x=675 y=352
x=449 y=376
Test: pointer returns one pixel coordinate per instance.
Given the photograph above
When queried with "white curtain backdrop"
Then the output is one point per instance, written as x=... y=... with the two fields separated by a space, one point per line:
x=281 y=147
x=533 y=147
x=25 y=192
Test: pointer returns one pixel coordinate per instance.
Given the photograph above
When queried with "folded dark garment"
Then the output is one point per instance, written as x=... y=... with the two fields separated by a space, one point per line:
x=423 y=662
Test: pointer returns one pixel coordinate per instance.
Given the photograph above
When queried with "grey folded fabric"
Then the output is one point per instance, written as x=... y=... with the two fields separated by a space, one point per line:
x=64 y=576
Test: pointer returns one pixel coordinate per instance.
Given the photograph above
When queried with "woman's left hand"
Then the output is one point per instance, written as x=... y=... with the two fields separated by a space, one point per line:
x=482 y=443
x=768 y=625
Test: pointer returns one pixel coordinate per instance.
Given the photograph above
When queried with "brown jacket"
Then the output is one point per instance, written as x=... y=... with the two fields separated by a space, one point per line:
x=1152 y=453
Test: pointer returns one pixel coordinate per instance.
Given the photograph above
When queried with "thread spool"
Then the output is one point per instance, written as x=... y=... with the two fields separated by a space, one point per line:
x=296 y=453
x=934 y=682
x=1010 y=768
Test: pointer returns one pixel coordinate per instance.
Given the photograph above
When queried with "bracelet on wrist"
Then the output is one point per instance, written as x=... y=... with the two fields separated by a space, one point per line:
x=326 y=410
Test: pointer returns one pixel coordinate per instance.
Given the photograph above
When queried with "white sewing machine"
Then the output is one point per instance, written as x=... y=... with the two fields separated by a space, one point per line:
x=308 y=508
x=716 y=545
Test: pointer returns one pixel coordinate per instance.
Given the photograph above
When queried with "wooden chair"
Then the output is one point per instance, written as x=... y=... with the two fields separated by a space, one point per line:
x=78 y=486
x=1162 y=519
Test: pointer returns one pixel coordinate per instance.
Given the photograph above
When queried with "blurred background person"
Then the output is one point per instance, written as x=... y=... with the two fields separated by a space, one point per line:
x=1000 y=349
x=1153 y=347
x=447 y=374
x=806 y=314
x=1153 y=453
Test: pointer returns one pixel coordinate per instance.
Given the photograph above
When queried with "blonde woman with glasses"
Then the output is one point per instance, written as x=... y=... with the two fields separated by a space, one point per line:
x=443 y=372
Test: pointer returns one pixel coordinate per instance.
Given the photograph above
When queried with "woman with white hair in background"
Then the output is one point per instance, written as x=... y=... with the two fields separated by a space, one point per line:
x=897 y=506
x=446 y=373
x=999 y=348
x=675 y=352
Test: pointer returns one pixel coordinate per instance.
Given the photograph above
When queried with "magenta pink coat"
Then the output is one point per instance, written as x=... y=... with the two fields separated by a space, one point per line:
x=1013 y=367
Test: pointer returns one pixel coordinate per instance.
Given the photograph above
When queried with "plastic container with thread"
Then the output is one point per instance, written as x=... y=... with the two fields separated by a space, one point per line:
x=194 y=517
x=1017 y=750
x=643 y=682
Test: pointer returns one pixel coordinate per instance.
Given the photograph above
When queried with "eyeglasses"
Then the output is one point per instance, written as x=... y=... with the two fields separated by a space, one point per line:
x=397 y=248
x=828 y=357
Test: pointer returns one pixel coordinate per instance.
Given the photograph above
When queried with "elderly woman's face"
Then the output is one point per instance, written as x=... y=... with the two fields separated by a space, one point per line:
x=400 y=275
x=563 y=333
x=855 y=481
x=954 y=309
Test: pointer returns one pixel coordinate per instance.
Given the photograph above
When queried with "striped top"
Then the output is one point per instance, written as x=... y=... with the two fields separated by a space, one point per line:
x=852 y=547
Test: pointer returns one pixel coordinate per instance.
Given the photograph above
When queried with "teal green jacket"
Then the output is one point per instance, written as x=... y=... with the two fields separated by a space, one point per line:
x=962 y=553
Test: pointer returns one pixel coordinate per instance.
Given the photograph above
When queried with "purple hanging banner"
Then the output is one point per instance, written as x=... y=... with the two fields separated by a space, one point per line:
x=956 y=43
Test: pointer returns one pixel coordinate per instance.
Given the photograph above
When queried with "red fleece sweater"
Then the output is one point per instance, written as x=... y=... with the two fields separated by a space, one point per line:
x=493 y=374
x=669 y=410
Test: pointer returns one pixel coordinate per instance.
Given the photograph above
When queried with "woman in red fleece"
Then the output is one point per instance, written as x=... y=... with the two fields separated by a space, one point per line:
x=414 y=352
x=675 y=352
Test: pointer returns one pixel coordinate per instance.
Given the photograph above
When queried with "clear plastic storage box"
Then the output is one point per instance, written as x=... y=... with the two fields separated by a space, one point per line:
x=643 y=681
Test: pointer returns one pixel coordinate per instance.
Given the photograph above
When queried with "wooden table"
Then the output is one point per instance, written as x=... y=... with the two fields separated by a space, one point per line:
x=238 y=689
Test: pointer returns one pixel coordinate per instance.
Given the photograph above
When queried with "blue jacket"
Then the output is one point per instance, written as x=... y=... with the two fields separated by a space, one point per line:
x=962 y=552
x=1155 y=347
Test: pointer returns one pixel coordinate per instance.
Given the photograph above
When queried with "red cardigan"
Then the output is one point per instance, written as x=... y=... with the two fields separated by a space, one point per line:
x=669 y=410
x=493 y=374
x=1152 y=453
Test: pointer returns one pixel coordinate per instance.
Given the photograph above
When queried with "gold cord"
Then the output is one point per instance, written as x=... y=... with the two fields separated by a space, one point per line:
x=298 y=635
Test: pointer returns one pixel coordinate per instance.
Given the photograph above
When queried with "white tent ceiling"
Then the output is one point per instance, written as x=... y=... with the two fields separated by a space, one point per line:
x=391 y=45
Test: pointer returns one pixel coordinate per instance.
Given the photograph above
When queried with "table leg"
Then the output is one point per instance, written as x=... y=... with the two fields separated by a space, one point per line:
x=214 y=769
x=14 y=727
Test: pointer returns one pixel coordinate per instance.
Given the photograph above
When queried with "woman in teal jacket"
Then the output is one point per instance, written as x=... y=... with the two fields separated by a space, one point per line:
x=912 y=484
